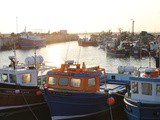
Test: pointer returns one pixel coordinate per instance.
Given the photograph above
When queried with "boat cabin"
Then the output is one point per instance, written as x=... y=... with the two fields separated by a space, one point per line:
x=74 y=77
x=146 y=87
x=26 y=75
x=23 y=76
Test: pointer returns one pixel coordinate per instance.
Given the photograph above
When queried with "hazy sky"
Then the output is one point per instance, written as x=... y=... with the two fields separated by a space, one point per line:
x=79 y=15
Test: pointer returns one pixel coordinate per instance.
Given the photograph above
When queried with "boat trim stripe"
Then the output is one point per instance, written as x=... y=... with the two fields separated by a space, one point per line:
x=20 y=106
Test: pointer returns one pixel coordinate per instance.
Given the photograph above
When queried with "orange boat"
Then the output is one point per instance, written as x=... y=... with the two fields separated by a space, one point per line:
x=74 y=91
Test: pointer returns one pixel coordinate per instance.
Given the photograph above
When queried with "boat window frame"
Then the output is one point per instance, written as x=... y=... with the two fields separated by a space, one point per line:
x=147 y=90
x=12 y=78
x=158 y=90
x=6 y=80
x=54 y=80
x=79 y=85
x=60 y=79
x=135 y=89
x=92 y=84
x=26 y=81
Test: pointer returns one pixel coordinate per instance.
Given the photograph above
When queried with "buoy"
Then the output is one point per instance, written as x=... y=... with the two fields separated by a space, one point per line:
x=38 y=92
x=110 y=101
x=17 y=91
x=45 y=85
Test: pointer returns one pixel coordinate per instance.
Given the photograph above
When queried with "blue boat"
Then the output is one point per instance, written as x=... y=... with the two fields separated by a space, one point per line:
x=118 y=50
x=73 y=91
x=142 y=102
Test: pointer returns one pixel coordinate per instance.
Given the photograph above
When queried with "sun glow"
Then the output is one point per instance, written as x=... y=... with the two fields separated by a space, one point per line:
x=79 y=15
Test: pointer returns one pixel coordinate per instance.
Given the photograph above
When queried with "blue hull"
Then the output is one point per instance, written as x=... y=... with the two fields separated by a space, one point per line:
x=140 y=111
x=65 y=105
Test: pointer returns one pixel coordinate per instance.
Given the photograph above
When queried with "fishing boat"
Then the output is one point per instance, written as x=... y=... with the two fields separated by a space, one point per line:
x=121 y=77
x=20 y=96
x=86 y=42
x=30 y=40
x=74 y=91
x=142 y=102
x=120 y=50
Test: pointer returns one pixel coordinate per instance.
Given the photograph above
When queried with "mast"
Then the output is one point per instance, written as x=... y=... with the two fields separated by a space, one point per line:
x=14 y=50
x=132 y=26
x=17 y=25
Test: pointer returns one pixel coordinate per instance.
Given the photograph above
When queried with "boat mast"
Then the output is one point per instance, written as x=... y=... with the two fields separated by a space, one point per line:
x=140 y=54
x=17 y=25
x=14 y=50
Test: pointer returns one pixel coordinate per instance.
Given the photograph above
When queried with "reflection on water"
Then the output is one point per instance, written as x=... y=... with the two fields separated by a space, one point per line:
x=55 y=54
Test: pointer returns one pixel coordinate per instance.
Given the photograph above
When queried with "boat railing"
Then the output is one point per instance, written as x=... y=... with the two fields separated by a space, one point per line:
x=148 y=72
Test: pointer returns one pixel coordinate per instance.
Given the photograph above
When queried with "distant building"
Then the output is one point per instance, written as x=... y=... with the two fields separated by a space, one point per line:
x=63 y=32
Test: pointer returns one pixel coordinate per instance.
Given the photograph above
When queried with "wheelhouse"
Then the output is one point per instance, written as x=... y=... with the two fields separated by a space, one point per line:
x=74 y=78
x=146 y=88
x=25 y=77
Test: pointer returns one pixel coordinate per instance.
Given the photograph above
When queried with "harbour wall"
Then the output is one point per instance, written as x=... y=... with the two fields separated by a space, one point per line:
x=7 y=43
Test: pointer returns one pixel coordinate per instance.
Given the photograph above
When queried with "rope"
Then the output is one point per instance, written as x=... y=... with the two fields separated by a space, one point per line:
x=118 y=94
x=110 y=110
x=28 y=105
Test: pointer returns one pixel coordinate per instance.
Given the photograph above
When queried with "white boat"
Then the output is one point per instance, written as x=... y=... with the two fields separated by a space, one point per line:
x=142 y=102
x=20 y=96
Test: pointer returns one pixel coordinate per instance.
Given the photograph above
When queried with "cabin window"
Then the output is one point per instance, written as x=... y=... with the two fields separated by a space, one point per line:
x=4 y=77
x=91 y=82
x=146 y=88
x=135 y=87
x=158 y=90
x=52 y=80
x=63 y=81
x=26 y=78
x=12 y=78
x=75 y=82
x=113 y=77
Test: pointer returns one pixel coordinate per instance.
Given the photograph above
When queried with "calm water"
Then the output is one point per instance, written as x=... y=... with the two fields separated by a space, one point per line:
x=55 y=54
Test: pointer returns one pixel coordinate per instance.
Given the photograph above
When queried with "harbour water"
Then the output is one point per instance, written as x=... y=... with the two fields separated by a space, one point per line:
x=55 y=54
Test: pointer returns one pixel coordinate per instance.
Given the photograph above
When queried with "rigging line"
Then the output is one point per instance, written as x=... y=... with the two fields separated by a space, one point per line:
x=79 y=54
x=140 y=54
x=67 y=52
x=14 y=50
x=28 y=105
x=110 y=108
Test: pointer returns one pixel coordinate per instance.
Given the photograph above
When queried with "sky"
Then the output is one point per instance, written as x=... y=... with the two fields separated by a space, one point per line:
x=79 y=16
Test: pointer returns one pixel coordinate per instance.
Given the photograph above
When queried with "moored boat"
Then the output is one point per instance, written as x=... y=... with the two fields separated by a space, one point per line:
x=122 y=76
x=116 y=49
x=74 y=91
x=142 y=102
x=87 y=42
x=20 y=96
x=30 y=40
